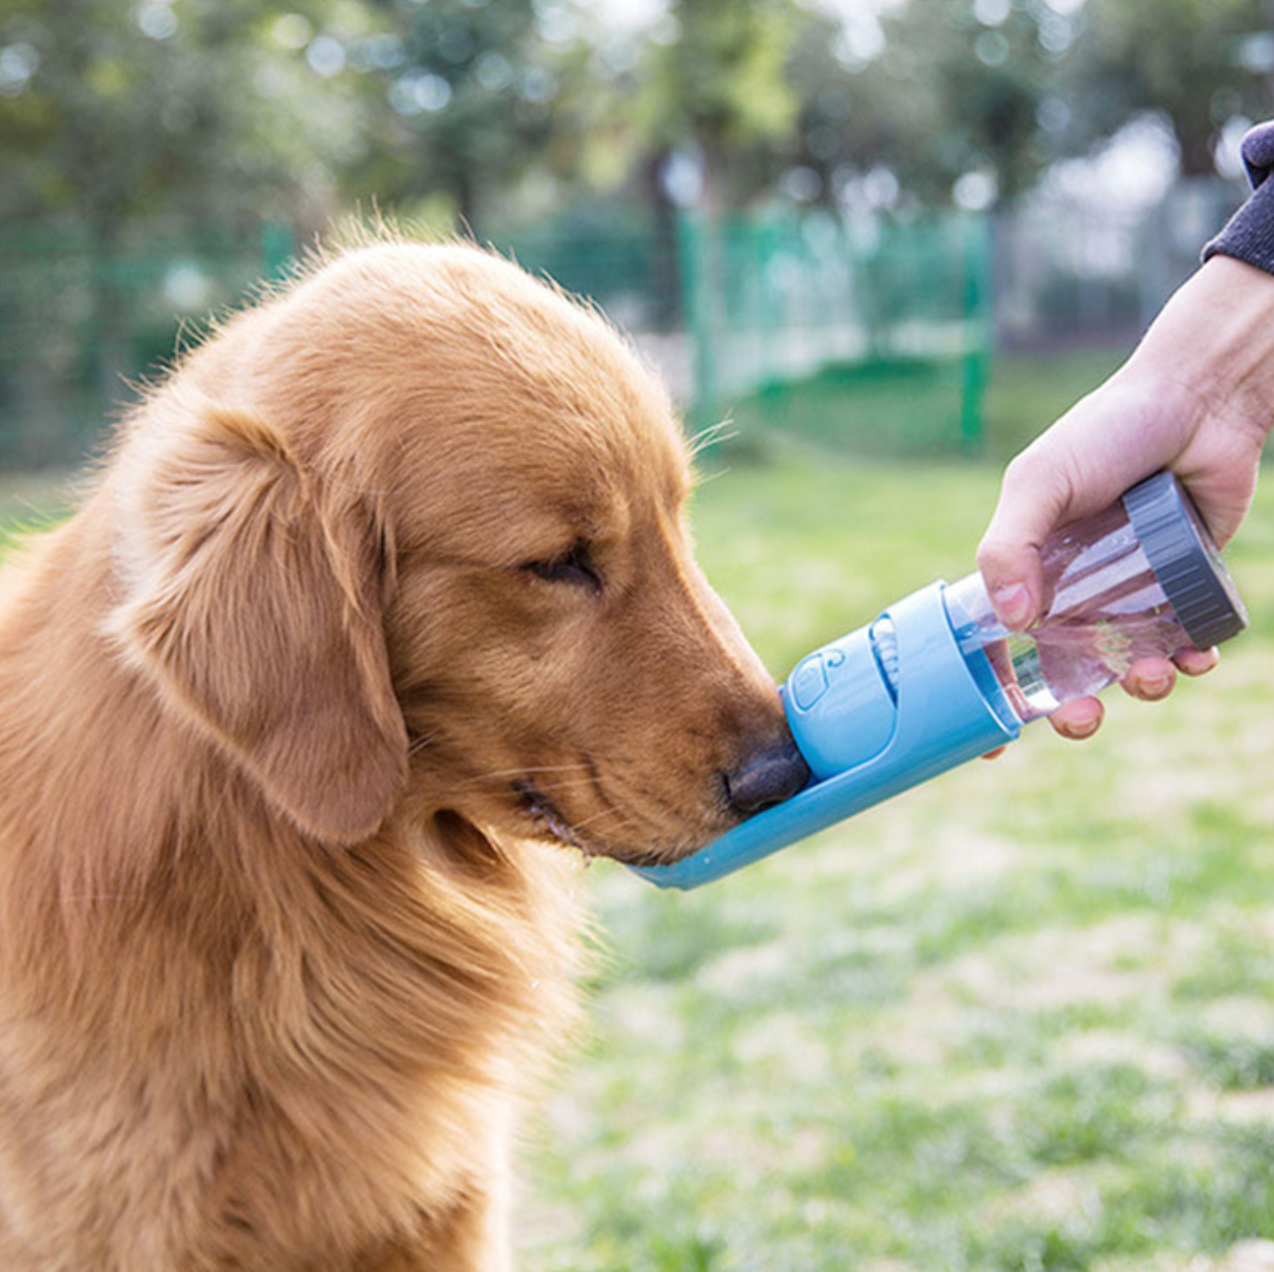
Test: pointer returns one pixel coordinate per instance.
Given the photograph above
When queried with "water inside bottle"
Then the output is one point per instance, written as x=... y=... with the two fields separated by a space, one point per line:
x=1071 y=658
x=1104 y=611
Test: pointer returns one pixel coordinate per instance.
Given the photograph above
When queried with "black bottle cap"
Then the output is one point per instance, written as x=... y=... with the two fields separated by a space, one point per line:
x=1185 y=560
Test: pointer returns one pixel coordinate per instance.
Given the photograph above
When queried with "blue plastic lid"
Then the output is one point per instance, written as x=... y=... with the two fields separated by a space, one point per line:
x=1186 y=560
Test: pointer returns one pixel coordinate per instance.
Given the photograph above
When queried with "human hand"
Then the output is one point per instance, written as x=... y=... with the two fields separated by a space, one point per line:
x=1196 y=397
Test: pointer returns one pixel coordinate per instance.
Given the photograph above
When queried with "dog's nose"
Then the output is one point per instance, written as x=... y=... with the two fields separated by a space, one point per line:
x=766 y=777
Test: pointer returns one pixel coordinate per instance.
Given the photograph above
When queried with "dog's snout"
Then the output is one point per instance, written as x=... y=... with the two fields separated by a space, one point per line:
x=767 y=776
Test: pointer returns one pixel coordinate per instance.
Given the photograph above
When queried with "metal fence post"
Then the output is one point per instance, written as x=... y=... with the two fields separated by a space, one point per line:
x=697 y=245
x=977 y=336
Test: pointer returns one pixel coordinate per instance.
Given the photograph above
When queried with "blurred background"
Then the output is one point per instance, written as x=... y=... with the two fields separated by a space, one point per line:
x=779 y=199
x=1022 y=1019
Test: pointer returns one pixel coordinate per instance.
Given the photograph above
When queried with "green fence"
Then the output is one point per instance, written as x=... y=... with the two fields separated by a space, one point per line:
x=83 y=318
x=872 y=333
x=628 y=265
x=868 y=334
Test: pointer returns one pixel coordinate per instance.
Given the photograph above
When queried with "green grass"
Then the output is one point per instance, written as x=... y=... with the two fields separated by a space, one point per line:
x=913 y=406
x=30 y=502
x=1019 y=1020
x=881 y=407
x=1027 y=391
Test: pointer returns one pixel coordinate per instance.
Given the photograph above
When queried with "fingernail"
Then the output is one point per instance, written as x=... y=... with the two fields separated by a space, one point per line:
x=1081 y=731
x=1013 y=604
x=1157 y=687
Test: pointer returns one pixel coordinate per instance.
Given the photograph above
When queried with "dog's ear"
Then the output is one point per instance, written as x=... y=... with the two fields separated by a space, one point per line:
x=255 y=602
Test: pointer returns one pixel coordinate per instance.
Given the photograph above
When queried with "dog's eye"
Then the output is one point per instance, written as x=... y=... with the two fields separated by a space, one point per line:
x=575 y=567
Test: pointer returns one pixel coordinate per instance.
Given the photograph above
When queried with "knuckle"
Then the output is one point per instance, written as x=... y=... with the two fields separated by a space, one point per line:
x=1019 y=467
x=993 y=556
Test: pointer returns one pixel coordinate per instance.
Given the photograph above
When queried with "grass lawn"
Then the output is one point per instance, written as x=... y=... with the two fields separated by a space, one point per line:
x=1019 y=1019
x=914 y=406
x=29 y=501
x=1027 y=391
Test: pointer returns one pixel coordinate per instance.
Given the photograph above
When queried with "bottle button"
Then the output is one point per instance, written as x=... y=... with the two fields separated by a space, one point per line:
x=809 y=682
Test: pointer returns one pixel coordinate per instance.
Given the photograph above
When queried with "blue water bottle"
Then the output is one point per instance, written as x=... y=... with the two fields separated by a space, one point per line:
x=936 y=679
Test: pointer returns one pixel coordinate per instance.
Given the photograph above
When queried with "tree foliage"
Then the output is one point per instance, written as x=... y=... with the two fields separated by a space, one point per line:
x=461 y=98
x=1196 y=63
x=208 y=109
x=196 y=109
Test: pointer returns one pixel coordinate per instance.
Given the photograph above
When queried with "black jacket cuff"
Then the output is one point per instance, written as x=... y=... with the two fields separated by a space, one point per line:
x=1249 y=233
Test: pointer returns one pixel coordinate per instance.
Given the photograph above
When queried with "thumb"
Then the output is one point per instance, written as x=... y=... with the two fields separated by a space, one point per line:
x=1035 y=497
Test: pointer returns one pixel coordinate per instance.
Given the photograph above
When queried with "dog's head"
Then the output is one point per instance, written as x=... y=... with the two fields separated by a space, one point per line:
x=413 y=536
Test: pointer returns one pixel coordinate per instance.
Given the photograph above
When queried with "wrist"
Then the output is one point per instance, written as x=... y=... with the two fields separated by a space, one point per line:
x=1214 y=343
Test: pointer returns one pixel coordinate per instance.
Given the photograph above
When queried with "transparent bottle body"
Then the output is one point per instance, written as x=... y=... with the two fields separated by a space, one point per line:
x=1103 y=609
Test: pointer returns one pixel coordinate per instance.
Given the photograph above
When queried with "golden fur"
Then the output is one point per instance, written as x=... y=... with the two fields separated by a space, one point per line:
x=383 y=595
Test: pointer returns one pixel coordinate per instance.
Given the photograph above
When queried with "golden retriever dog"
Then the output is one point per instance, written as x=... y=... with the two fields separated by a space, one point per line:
x=381 y=603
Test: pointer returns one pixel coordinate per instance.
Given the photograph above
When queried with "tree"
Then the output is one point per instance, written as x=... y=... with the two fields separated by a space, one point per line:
x=719 y=86
x=187 y=107
x=191 y=112
x=1197 y=63
x=928 y=95
x=463 y=101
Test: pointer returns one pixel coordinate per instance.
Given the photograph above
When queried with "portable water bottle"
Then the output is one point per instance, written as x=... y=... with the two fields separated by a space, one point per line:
x=936 y=679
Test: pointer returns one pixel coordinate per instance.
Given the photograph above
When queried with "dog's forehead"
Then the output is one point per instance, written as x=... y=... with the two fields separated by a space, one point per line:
x=469 y=375
x=542 y=483
x=541 y=380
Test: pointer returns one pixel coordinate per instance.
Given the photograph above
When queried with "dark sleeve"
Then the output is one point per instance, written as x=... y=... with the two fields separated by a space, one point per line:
x=1249 y=234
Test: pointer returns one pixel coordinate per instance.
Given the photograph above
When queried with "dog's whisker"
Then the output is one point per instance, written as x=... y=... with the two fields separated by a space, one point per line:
x=536 y=768
x=462 y=789
x=722 y=430
x=501 y=774
x=700 y=479
x=596 y=817
x=570 y=784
